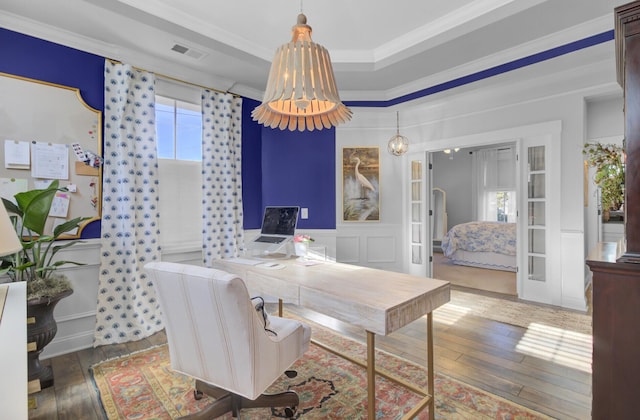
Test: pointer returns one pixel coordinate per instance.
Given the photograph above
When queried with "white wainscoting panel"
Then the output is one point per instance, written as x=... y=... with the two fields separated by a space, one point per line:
x=348 y=249
x=76 y=314
x=381 y=249
x=573 y=265
x=374 y=245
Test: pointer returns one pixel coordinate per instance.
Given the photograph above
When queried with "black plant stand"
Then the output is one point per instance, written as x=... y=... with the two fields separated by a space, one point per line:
x=41 y=328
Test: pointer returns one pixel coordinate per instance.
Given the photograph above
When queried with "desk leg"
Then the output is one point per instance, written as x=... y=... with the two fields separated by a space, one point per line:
x=371 y=375
x=430 y=373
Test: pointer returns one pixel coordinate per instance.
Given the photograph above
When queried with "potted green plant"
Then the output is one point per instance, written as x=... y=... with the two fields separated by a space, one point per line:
x=607 y=159
x=36 y=264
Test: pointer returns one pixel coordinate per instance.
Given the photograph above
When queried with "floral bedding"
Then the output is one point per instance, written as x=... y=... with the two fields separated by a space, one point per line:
x=496 y=237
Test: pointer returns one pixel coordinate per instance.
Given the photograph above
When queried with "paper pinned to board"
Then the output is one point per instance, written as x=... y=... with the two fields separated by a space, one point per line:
x=60 y=204
x=50 y=160
x=16 y=154
x=12 y=186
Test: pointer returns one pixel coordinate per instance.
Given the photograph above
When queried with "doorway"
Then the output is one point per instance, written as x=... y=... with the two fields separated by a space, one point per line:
x=479 y=188
x=539 y=243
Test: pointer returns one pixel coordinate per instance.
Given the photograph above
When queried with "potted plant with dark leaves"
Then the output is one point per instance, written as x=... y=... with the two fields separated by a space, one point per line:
x=608 y=161
x=37 y=265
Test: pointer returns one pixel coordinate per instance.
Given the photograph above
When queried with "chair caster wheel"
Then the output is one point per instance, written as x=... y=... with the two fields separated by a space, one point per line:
x=291 y=373
x=197 y=395
x=290 y=412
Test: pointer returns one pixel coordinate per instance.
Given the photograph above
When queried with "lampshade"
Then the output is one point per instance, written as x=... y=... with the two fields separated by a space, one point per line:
x=398 y=145
x=301 y=90
x=9 y=242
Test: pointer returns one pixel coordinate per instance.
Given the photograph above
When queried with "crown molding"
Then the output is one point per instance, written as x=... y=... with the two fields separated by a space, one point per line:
x=177 y=16
x=578 y=32
x=461 y=21
x=135 y=58
x=594 y=80
x=56 y=35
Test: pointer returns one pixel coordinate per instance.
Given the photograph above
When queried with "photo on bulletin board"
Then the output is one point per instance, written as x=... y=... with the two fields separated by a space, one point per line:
x=48 y=132
x=360 y=184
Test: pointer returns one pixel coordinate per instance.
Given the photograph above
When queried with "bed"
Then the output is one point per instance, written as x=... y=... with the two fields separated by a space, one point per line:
x=482 y=244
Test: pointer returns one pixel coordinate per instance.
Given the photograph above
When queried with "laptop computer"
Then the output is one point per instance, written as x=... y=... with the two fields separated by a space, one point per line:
x=278 y=227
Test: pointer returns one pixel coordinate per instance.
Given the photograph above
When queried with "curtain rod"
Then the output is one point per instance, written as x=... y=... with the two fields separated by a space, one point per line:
x=175 y=79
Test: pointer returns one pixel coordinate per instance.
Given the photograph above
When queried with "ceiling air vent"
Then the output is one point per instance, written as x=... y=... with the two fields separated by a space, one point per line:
x=188 y=51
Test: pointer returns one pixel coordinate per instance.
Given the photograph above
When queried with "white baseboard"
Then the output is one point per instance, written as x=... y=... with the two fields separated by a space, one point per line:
x=70 y=343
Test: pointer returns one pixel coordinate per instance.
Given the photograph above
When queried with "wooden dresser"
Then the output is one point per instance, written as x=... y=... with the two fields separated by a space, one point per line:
x=616 y=266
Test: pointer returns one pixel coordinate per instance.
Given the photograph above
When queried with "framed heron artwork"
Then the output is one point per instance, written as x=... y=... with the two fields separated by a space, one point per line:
x=360 y=184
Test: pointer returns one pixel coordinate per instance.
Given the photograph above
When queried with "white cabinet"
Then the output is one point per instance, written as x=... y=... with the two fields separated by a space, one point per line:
x=13 y=353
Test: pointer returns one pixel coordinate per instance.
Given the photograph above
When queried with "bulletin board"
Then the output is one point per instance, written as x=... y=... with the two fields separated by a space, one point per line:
x=48 y=132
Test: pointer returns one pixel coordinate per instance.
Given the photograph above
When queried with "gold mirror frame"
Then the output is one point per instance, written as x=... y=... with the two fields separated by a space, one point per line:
x=36 y=111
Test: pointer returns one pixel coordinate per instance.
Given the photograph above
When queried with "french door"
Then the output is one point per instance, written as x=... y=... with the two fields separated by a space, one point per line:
x=538 y=250
x=419 y=214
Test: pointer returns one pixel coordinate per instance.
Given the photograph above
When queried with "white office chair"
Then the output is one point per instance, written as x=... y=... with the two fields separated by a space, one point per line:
x=216 y=336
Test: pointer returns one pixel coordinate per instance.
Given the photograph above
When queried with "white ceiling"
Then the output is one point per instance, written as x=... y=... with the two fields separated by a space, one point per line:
x=380 y=49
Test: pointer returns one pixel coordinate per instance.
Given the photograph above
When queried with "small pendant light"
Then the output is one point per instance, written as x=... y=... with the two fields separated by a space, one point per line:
x=398 y=145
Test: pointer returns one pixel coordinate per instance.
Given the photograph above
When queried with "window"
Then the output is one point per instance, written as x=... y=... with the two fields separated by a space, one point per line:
x=500 y=206
x=495 y=170
x=179 y=142
x=178 y=129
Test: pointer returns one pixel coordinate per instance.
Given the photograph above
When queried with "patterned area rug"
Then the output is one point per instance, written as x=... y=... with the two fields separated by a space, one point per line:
x=517 y=313
x=142 y=386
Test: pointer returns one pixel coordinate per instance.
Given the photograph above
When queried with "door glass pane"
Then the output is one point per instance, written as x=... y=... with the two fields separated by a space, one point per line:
x=536 y=242
x=415 y=212
x=416 y=233
x=536 y=158
x=416 y=169
x=537 y=268
x=416 y=254
x=536 y=213
x=536 y=185
x=415 y=191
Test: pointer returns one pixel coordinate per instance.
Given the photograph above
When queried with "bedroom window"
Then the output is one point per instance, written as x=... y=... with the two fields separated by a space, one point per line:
x=178 y=129
x=495 y=186
x=501 y=206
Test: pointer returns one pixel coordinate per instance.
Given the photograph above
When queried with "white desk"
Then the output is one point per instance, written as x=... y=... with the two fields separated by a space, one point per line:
x=378 y=301
x=13 y=354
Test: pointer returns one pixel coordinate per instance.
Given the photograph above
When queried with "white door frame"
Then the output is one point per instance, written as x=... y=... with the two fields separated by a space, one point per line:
x=513 y=135
x=549 y=288
x=419 y=243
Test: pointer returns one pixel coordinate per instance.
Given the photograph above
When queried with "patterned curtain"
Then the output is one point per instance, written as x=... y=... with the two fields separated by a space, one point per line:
x=221 y=171
x=127 y=305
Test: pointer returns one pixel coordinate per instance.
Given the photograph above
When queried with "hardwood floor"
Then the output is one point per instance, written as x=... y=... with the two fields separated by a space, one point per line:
x=497 y=281
x=496 y=357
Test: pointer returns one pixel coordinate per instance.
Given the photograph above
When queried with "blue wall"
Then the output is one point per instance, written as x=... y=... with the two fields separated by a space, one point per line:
x=251 y=167
x=43 y=60
x=277 y=167
x=300 y=170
